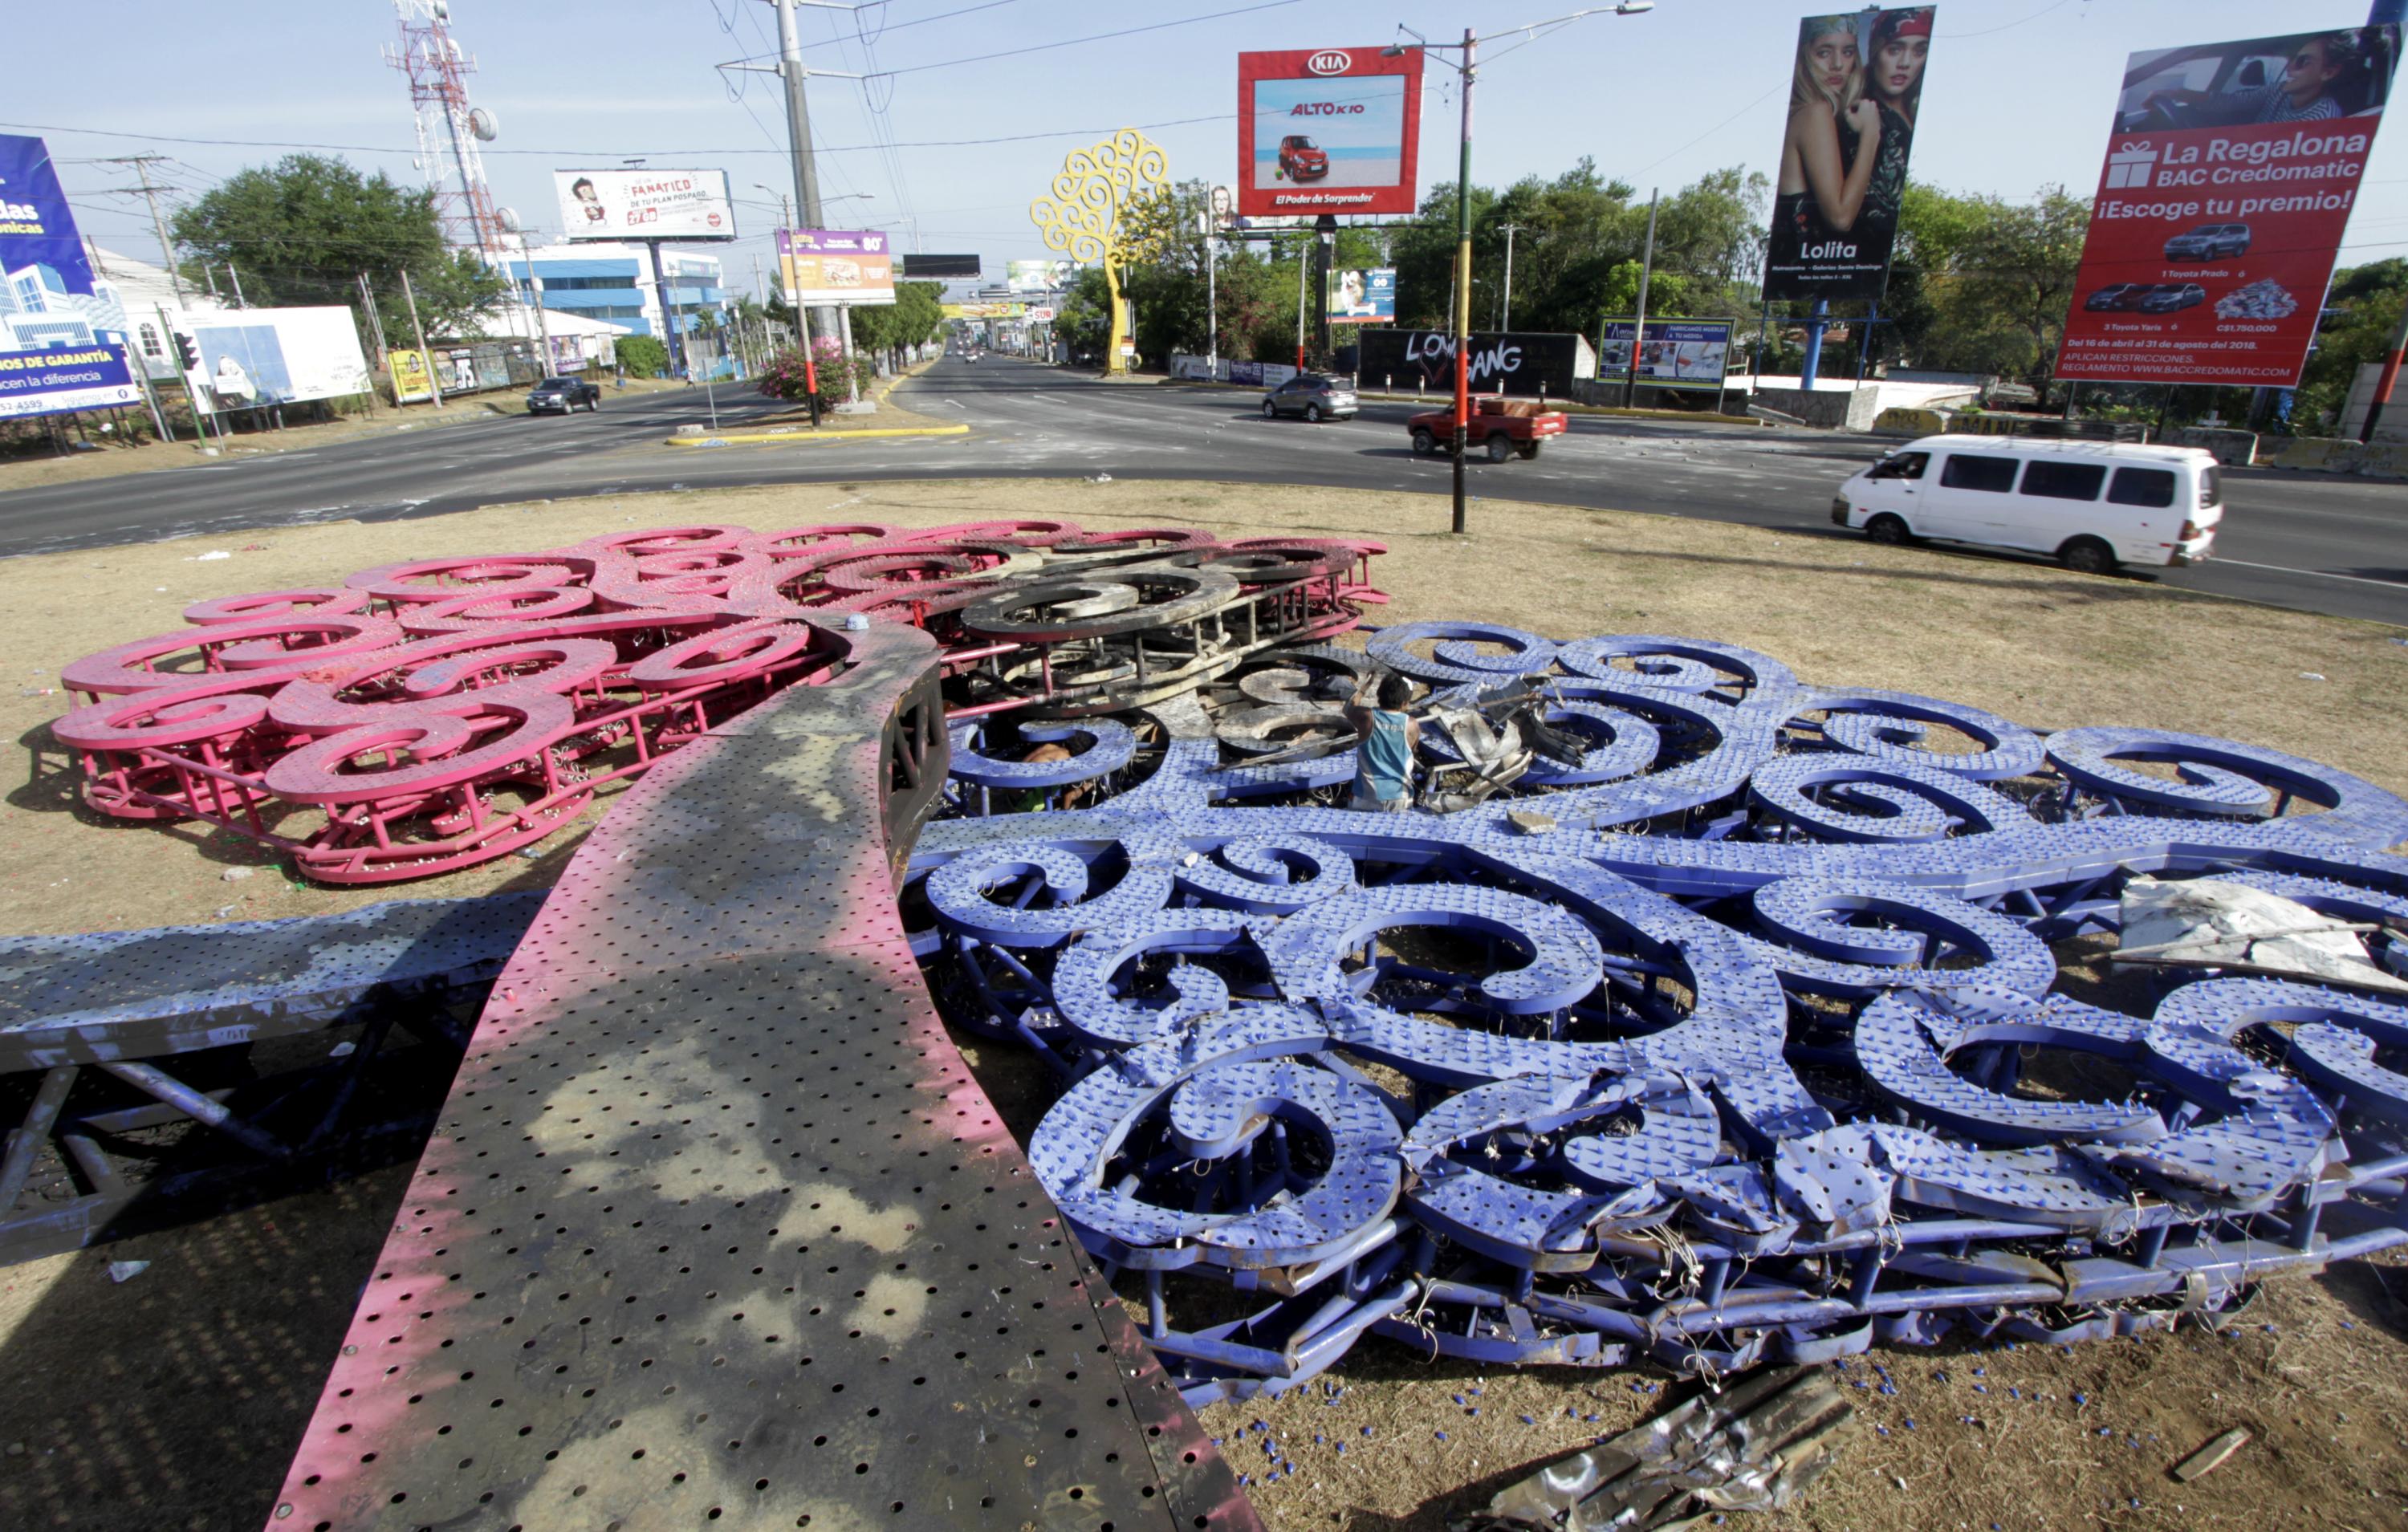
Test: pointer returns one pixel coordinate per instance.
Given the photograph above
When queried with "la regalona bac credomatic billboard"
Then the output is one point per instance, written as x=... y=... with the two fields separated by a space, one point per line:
x=1856 y=93
x=1328 y=130
x=2229 y=183
x=62 y=342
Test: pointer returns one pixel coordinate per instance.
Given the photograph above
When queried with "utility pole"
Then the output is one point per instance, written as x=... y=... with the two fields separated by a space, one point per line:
x=191 y=391
x=2380 y=13
x=1505 y=315
x=236 y=278
x=142 y=163
x=434 y=384
x=1639 y=328
x=798 y=131
x=376 y=320
x=1212 y=298
x=535 y=296
x=1303 y=264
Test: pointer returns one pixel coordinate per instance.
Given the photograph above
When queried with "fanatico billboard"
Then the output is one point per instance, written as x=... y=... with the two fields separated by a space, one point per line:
x=1328 y=130
x=687 y=206
x=2229 y=179
x=1525 y=364
x=62 y=342
x=1855 y=89
x=1673 y=353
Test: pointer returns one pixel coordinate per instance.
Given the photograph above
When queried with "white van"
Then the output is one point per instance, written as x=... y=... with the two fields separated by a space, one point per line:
x=2090 y=505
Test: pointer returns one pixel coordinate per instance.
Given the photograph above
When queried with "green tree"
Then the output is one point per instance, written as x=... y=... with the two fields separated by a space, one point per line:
x=913 y=318
x=1085 y=318
x=2000 y=281
x=303 y=230
x=642 y=356
x=2366 y=301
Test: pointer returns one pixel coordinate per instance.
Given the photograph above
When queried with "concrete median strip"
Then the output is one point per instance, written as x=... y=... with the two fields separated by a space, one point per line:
x=804 y=433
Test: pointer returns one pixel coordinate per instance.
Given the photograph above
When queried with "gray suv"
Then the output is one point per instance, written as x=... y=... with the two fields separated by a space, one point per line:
x=2209 y=242
x=1313 y=396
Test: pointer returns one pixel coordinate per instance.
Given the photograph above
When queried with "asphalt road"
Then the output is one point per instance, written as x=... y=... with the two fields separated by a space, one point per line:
x=2318 y=543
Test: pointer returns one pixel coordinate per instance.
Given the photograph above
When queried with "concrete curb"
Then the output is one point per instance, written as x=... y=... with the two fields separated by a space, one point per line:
x=806 y=435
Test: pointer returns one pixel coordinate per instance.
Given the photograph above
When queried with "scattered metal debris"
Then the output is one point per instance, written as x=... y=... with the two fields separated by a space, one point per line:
x=1751 y=1446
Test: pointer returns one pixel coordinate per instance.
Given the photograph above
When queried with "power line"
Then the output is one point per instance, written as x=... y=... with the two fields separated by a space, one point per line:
x=1096 y=37
x=588 y=153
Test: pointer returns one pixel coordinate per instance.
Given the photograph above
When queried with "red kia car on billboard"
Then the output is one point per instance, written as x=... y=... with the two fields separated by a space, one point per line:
x=1300 y=160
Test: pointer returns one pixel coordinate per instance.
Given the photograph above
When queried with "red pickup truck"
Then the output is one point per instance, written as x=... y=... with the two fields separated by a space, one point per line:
x=1507 y=425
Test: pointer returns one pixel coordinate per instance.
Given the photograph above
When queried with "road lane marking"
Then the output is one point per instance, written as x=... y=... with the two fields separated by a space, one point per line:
x=2312 y=574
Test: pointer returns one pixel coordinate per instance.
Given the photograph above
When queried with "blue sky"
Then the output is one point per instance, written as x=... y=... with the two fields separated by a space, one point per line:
x=2018 y=95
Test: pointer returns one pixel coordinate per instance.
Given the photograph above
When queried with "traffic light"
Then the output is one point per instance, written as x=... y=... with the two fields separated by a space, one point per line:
x=188 y=352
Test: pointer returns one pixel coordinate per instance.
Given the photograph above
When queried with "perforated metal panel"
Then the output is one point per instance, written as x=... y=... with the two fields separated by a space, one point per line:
x=131 y=994
x=717 y=1226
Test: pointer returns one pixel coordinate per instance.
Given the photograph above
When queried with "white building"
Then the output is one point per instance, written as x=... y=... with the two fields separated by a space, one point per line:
x=614 y=283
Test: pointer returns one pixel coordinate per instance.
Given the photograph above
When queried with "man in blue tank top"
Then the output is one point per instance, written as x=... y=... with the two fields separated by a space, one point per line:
x=1385 y=741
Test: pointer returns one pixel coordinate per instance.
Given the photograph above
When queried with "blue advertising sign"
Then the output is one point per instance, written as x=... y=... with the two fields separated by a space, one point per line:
x=1362 y=298
x=62 y=342
x=1672 y=353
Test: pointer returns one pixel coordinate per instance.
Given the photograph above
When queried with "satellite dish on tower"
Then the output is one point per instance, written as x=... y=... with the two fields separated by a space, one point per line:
x=509 y=219
x=483 y=124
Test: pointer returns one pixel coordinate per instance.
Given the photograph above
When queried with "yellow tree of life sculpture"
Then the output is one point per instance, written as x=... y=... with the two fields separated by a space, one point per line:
x=1085 y=217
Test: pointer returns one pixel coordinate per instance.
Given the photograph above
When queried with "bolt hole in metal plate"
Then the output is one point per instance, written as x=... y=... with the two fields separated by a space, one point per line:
x=716 y=1223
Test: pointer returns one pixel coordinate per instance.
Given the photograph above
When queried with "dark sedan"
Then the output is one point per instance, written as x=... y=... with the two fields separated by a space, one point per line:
x=2166 y=297
x=563 y=395
x=2117 y=297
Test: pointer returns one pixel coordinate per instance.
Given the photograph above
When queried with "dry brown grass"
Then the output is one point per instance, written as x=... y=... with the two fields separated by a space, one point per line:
x=2322 y=1388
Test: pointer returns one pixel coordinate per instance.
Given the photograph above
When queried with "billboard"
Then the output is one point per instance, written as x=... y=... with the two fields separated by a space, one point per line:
x=940 y=265
x=410 y=377
x=1524 y=364
x=1856 y=90
x=1362 y=298
x=62 y=343
x=983 y=310
x=1033 y=275
x=255 y=357
x=1672 y=353
x=1328 y=130
x=2230 y=172
x=683 y=205
x=838 y=266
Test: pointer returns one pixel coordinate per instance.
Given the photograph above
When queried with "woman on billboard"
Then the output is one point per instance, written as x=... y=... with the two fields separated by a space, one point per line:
x=1902 y=46
x=1833 y=145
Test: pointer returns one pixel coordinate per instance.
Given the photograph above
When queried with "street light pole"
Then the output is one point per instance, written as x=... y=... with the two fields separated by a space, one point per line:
x=1462 y=433
x=1505 y=317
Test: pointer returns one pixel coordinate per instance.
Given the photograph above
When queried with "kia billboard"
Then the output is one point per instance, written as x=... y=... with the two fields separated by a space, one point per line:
x=1328 y=130
x=2230 y=173
x=1856 y=90
x=686 y=206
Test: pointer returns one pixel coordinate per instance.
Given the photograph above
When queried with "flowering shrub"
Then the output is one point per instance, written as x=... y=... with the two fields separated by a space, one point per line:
x=785 y=377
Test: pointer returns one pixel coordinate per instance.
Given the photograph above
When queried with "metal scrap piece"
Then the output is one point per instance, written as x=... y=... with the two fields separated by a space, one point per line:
x=1751 y=1447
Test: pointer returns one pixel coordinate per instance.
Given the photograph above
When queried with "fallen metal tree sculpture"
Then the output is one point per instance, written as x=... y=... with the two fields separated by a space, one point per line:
x=1754 y=1054
x=428 y=716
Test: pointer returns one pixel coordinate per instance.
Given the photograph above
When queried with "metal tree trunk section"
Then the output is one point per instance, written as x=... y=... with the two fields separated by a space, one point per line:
x=1085 y=217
